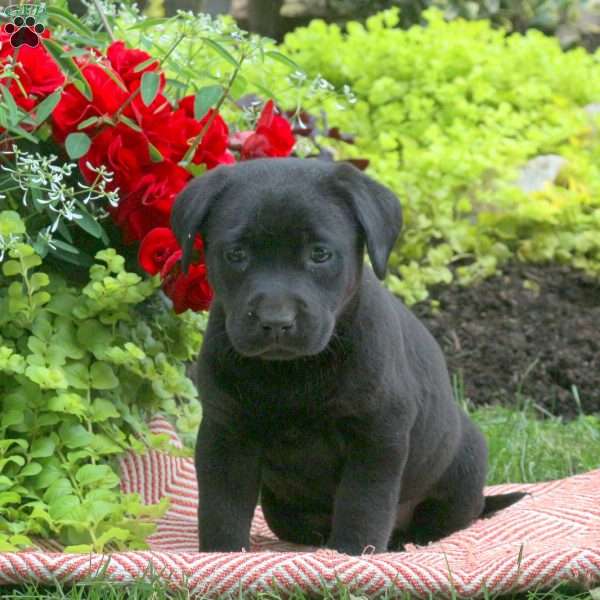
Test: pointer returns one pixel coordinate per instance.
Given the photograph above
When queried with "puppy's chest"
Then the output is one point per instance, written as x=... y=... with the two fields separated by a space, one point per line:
x=303 y=453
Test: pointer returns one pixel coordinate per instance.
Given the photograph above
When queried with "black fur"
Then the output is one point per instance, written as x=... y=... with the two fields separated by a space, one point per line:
x=321 y=392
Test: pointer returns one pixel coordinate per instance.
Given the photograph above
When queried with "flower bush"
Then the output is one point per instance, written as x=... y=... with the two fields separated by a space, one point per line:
x=446 y=120
x=109 y=110
x=96 y=140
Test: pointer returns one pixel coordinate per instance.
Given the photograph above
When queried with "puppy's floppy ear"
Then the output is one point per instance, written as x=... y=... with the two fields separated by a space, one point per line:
x=377 y=210
x=191 y=208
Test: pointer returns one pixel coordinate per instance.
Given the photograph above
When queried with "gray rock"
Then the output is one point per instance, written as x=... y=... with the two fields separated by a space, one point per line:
x=592 y=109
x=539 y=171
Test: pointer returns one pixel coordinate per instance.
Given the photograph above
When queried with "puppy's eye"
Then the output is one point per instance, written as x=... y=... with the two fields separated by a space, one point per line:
x=235 y=255
x=320 y=254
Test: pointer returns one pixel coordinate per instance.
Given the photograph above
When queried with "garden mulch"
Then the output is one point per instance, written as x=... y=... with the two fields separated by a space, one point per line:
x=533 y=331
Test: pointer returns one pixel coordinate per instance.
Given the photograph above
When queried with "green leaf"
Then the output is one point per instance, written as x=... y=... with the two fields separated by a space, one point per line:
x=11 y=267
x=79 y=549
x=148 y=23
x=44 y=109
x=12 y=417
x=9 y=498
x=11 y=105
x=94 y=336
x=144 y=64
x=63 y=303
x=11 y=223
x=39 y=280
x=155 y=154
x=64 y=508
x=33 y=468
x=28 y=258
x=42 y=448
x=220 y=50
x=114 y=534
x=77 y=144
x=76 y=52
x=46 y=378
x=114 y=76
x=130 y=123
x=88 y=123
x=65 y=246
x=90 y=224
x=149 y=87
x=103 y=409
x=195 y=169
x=81 y=259
x=20 y=132
x=67 y=20
x=57 y=489
x=40 y=298
x=50 y=473
x=37 y=346
x=69 y=403
x=205 y=99
x=103 y=377
x=100 y=475
x=239 y=86
x=69 y=66
x=282 y=58
x=77 y=376
x=75 y=435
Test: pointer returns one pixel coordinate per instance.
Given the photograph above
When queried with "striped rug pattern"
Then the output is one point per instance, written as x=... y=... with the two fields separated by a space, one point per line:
x=549 y=537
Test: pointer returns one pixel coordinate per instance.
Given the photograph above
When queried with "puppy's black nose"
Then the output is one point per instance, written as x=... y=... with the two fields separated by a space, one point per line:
x=277 y=324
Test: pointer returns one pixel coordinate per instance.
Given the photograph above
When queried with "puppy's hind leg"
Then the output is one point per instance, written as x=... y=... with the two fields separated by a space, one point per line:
x=457 y=499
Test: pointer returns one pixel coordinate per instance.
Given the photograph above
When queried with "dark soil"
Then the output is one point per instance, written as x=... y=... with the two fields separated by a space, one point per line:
x=509 y=341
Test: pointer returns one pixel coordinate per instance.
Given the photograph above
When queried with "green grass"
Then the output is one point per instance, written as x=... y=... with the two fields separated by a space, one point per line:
x=156 y=591
x=529 y=444
x=525 y=446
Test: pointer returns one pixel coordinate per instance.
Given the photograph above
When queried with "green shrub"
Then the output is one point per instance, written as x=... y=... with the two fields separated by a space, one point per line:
x=81 y=370
x=89 y=348
x=515 y=15
x=446 y=114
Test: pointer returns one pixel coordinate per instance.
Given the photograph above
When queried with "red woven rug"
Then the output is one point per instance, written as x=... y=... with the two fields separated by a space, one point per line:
x=549 y=537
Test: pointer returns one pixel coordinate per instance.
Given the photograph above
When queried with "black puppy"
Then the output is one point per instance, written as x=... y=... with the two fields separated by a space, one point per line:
x=320 y=390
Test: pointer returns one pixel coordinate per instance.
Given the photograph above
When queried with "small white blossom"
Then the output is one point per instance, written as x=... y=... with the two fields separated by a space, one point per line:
x=47 y=186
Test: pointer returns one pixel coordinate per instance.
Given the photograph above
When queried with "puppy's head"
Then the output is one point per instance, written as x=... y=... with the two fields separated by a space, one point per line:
x=284 y=242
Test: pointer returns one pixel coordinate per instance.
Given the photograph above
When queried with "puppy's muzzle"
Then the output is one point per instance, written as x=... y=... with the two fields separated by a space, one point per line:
x=275 y=321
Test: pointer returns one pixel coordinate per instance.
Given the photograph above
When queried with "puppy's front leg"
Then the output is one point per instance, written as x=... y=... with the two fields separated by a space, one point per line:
x=228 y=469
x=367 y=498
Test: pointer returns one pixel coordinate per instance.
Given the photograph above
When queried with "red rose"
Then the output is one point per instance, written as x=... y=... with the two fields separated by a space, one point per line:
x=156 y=247
x=173 y=136
x=147 y=190
x=191 y=291
x=273 y=136
x=160 y=183
x=212 y=150
x=124 y=61
x=160 y=110
x=37 y=73
x=148 y=199
x=160 y=251
x=121 y=150
x=74 y=108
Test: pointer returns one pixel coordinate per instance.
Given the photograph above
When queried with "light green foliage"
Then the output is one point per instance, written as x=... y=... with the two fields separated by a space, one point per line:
x=205 y=56
x=81 y=371
x=446 y=114
x=515 y=15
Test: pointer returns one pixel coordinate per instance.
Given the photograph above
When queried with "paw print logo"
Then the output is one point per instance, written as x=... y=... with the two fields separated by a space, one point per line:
x=24 y=32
